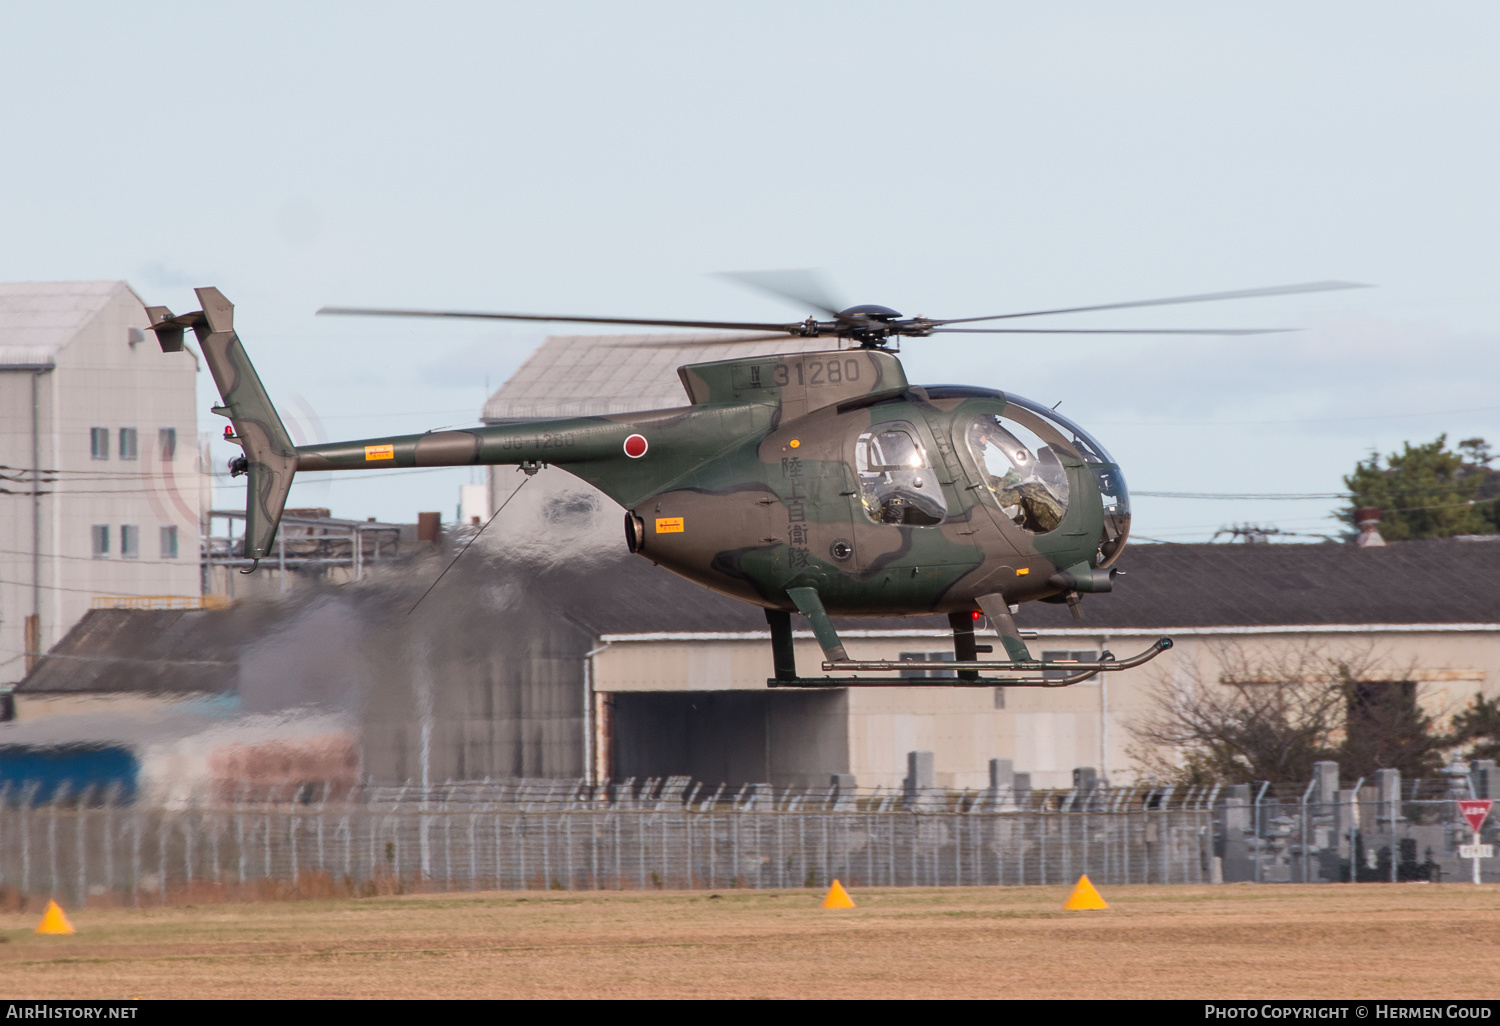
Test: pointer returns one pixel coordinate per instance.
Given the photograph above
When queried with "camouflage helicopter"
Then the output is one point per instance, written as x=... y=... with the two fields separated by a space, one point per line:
x=822 y=483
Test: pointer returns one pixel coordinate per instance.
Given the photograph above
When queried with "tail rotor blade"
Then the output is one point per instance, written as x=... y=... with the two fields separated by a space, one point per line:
x=803 y=285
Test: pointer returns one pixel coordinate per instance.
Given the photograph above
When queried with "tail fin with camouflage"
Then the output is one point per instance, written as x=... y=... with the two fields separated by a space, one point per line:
x=270 y=458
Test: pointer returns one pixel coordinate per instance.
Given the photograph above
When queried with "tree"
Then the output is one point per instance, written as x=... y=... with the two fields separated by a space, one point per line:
x=1385 y=727
x=1428 y=490
x=1478 y=456
x=1269 y=714
x=1478 y=726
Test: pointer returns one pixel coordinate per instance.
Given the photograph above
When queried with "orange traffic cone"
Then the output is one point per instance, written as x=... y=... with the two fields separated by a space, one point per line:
x=838 y=897
x=53 y=920
x=1084 y=896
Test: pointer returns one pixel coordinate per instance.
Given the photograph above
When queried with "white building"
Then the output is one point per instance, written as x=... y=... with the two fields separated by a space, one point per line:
x=100 y=483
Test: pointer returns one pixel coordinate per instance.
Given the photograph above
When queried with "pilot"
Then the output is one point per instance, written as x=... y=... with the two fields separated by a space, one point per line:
x=1022 y=494
x=1030 y=503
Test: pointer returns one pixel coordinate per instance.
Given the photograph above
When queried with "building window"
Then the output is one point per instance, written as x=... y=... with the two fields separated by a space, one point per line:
x=101 y=540
x=130 y=541
x=99 y=443
x=169 y=543
x=168 y=440
x=1070 y=656
x=927 y=657
x=129 y=444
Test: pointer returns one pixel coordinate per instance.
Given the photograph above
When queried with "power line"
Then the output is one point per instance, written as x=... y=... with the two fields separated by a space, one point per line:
x=1275 y=496
x=1297 y=420
x=88 y=591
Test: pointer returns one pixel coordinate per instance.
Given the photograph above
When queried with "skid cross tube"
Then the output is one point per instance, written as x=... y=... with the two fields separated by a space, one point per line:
x=927 y=682
x=1074 y=672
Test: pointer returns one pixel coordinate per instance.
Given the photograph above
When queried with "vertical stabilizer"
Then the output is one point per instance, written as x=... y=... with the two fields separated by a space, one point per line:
x=270 y=459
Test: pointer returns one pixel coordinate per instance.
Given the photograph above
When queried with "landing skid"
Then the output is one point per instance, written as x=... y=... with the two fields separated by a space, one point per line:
x=1073 y=672
x=1030 y=673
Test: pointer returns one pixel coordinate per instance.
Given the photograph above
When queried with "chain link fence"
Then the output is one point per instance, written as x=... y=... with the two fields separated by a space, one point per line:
x=90 y=848
x=93 y=848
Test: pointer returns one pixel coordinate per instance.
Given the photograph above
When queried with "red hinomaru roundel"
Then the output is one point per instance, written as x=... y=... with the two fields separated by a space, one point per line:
x=635 y=446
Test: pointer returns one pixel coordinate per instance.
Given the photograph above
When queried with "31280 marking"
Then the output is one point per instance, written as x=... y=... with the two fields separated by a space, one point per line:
x=833 y=371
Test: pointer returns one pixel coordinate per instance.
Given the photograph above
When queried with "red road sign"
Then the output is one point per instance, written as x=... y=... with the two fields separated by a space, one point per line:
x=1474 y=810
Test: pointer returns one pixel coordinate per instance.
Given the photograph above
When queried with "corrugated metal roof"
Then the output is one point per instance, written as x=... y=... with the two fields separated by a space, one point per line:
x=38 y=318
x=596 y=375
x=153 y=651
x=1165 y=586
x=1441 y=581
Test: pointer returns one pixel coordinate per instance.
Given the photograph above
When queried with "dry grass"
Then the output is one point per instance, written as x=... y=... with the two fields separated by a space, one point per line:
x=1332 y=941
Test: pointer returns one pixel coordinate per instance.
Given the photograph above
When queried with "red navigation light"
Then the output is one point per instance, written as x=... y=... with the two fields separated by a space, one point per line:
x=977 y=614
x=228 y=431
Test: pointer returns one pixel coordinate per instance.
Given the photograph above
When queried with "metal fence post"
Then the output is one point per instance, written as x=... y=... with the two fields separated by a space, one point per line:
x=82 y=853
x=187 y=849
x=109 y=840
x=135 y=858
x=161 y=854
x=293 y=822
x=52 y=837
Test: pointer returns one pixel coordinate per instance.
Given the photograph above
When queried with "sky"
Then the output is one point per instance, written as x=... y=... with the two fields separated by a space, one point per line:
x=946 y=159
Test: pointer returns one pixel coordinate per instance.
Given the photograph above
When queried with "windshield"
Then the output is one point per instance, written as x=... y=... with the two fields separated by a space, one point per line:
x=896 y=482
x=1106 y=472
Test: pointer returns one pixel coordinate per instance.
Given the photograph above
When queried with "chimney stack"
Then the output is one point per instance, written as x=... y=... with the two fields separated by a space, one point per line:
x=1367 y=519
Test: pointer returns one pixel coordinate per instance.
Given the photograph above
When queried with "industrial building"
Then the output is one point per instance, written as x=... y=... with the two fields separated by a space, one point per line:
x=100 y=484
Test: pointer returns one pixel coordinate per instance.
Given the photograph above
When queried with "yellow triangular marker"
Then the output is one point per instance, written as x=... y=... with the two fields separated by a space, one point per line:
x=53 y=920
x=1084 y=896
x=838 y=897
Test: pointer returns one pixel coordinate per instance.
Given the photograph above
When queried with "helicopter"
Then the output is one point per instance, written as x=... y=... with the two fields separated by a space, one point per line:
x=822 y=483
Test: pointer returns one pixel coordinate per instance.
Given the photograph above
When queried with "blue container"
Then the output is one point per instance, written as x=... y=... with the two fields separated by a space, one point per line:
x=82 y=768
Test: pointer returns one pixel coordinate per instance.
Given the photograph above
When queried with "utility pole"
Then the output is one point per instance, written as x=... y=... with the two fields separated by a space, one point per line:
x=34 y=621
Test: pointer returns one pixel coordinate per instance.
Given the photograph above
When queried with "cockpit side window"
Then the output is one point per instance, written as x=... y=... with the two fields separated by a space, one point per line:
x=1021 y=472
x=897 y=484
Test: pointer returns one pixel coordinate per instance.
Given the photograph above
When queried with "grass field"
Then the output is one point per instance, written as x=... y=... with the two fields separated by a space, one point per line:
x=1331 y=941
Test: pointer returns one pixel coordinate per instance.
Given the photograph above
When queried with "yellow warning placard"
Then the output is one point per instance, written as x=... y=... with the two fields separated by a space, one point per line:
x=380 y=452
x=1023 y=571
x=668 y=525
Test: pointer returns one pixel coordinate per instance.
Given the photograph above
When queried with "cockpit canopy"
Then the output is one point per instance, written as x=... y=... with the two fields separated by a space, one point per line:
x=1023 y=450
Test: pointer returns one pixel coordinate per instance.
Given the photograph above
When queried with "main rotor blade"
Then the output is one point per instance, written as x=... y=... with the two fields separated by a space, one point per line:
x=1112 y=331
x=788 y=329
x=802 y=285
x=1207 y=297
x=702 y=343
